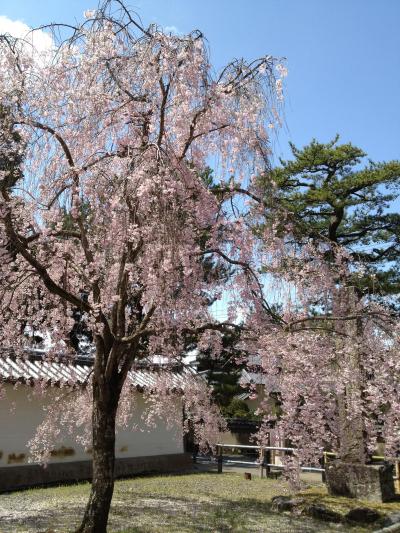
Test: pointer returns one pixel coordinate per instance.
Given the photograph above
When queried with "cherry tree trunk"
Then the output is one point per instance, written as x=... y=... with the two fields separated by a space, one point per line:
x=105 y=403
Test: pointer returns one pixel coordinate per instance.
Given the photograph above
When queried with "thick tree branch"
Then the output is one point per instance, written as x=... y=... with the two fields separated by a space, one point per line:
x=164 y=92
x=328 y=318
x=141 y=330
x=40 y=269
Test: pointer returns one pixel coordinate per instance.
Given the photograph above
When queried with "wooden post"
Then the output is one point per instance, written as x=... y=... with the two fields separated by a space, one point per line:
x=219 y=459
x=267 y=462
x=323 y=466
x=397 y=474
x=262 y=462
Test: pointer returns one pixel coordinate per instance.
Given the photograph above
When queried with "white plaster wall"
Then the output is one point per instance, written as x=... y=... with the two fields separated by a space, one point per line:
x=150 y=441
x=19 y=417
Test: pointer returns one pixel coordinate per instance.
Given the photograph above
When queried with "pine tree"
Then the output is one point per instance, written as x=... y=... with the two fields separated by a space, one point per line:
x=327 y=196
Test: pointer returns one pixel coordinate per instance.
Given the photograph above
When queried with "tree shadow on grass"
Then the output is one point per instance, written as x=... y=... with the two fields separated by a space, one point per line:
x=188 y=516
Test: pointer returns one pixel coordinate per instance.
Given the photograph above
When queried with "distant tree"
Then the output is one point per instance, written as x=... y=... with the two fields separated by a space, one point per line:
x=237 y=408
x=223 y=372
x=325 y=196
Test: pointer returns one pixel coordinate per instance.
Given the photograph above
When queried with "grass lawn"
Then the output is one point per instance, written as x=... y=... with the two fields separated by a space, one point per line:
x=186 y=503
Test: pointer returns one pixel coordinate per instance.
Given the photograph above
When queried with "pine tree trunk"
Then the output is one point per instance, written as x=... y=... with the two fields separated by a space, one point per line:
x=105 y=403
x=352 y=448
x=351 y=430
x=349 y=475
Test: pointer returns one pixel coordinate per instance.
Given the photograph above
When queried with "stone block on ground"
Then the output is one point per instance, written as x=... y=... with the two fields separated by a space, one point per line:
x=391 y=520
x=285 y=503
x=364 y=482
x=321 y=512
x=363 y=515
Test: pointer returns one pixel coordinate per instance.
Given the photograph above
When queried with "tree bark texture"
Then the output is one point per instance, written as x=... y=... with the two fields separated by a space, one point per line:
x=105 y=403
x=352 y=448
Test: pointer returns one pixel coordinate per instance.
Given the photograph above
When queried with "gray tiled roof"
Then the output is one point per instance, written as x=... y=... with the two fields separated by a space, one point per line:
x=37 y=368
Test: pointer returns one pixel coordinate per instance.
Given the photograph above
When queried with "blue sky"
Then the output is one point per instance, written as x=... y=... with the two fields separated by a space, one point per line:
x=343 y=57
